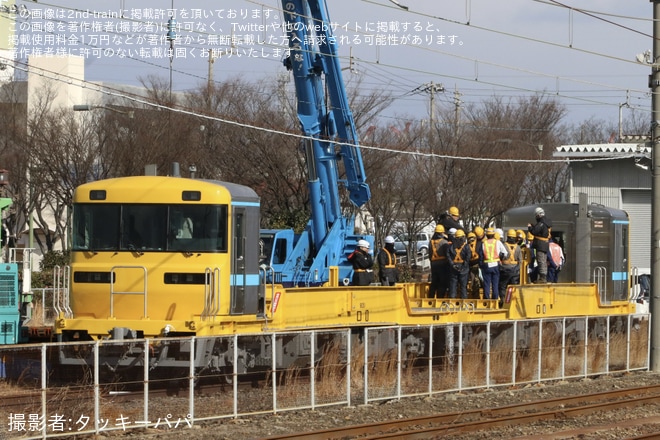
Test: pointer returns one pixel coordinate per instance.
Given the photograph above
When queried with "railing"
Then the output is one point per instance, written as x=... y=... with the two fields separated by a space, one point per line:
x=333 y=367
x=42 y=309
x=264 y=272
x=113 y=292
x=61 y=279
x=211 y=293
x=420 y=260
x=599 y=277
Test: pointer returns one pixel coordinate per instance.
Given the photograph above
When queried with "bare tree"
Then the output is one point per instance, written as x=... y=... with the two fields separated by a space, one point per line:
x=12 y=153
x=497 y=133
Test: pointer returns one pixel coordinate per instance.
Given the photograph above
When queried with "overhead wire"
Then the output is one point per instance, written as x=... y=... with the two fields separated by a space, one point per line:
x=535 y=73
x=400 y=79
x=556 y=93
x=595 y=15
x=116 y=93
x=492 y=83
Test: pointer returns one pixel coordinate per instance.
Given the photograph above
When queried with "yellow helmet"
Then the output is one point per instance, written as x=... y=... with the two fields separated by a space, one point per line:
x=440 y=229
x=530 y=236
x=471 y=235
x=459 y=233
x=453 y=211
x=490 y=232
x=497 y=236
x=478 y=231
x=520 y=233
x=511 y=233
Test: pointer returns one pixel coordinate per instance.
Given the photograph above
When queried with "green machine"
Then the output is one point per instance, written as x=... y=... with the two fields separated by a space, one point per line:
x=10 y=301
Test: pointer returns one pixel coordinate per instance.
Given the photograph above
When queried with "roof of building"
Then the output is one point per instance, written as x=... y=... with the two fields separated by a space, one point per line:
x=626 y=149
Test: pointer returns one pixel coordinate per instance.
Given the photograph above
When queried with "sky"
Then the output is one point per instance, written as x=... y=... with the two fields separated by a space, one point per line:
x=472 y=49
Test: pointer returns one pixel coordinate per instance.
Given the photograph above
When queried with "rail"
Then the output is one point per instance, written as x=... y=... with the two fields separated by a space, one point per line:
x=113 y=272
x=518 y=414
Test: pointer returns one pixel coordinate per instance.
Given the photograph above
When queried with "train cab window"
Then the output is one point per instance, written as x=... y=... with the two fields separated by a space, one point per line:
x=95 y=227
x=143 y=227
x=150 y=227
x=197 y=228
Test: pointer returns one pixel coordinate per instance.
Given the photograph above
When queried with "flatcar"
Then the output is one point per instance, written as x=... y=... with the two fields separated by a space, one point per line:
x=157 y=257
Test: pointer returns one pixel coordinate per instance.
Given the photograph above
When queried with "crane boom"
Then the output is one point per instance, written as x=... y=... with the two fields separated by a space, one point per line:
x=327 y=122
x=313 y=55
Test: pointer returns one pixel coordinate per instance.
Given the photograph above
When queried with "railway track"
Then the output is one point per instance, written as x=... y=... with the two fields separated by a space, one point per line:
x=564 y=414
x=465 y=422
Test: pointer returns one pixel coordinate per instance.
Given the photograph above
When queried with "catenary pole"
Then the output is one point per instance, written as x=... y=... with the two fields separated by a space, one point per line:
x=654 y=84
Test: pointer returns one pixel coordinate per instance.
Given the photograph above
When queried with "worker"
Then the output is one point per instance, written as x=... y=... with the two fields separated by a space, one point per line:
x=387 y=270
x=555 y=260
x=439 y=264
x=532 y=271
x=458 y=255
x=480 y=233
x=450 y=219
x=481 y=236
x=474 y=281
x=521 y=238
x=363 y=264
x=490 y=253
x=542 y=231
x=510 y=267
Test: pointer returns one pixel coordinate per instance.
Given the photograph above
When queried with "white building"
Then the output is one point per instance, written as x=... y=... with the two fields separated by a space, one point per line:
x=617 y=175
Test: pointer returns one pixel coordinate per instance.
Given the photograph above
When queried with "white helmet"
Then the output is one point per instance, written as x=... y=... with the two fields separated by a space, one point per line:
x=452 y=231
x=389 y=239
x=539 y=212
x=363 y=243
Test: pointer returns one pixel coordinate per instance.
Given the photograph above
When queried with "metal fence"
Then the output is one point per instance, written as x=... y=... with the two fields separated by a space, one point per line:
x=75 y=388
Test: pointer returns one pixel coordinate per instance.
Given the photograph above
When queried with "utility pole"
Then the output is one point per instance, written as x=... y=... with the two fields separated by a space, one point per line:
x=171 y=36
x=654 y=84
x=457 y=111
x=210 y=75
x=432 y=88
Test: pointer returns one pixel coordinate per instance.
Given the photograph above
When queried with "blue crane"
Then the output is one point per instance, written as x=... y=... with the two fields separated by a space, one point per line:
x=331 y=140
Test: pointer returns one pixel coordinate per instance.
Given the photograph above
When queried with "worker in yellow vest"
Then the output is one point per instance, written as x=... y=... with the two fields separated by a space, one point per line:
x=474 y=280
x=439 y=265
x=388 y=273
x=510 y=267
x=490 y=253
x=458 y=255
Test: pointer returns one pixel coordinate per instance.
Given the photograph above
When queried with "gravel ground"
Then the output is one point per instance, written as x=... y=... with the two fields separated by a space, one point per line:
x=262 y=426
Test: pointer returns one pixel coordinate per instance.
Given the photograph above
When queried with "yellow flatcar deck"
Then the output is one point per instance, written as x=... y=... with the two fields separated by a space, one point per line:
x=345 y=306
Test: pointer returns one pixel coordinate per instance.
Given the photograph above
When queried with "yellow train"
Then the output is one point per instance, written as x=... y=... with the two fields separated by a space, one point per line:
x=168 y=256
